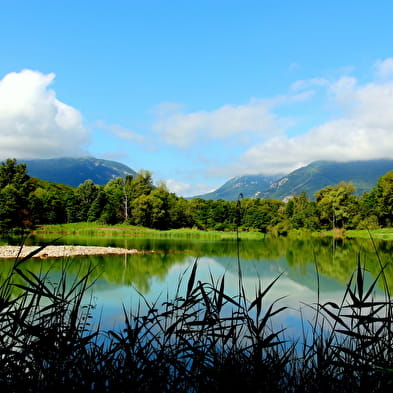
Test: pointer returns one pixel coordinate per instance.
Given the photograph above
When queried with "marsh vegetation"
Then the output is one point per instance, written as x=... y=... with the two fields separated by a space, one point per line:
x=201 y=338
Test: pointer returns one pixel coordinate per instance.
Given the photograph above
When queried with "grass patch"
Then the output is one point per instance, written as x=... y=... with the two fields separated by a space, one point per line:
x=86 y=228
x=129 y=230
x=383 y=233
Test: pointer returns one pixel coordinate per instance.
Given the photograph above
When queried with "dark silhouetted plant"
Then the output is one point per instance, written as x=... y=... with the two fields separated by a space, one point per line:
x=202 y=340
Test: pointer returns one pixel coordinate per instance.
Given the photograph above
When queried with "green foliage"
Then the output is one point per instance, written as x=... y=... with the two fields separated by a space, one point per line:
x=134 y=200
x=14 y=195
x=384 y=196
x=261 y=214
x=85 y=193
x=95 y=211
x=337 y=205
x=113 y=210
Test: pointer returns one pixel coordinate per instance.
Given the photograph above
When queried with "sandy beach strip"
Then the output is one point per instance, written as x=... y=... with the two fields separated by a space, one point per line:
x=62 y=251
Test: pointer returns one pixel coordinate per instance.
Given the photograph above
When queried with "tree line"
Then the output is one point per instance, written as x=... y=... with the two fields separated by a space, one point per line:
x=26 y=202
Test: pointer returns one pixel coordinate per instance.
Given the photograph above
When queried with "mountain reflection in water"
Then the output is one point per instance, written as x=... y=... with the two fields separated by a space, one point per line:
x=120 y=280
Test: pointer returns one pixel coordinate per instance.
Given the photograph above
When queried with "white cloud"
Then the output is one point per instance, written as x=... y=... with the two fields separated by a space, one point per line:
x=373 y=106
x=308 y=83
x=120 y=132
x=365 y=131
x=343 y=120
x=183 y=129
x=384 y=68
x=177 y=187
x=185 y=189
x=33 y=122
x=166 y=108
x=341 y=140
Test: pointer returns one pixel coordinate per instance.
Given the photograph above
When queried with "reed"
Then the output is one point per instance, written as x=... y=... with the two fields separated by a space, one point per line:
x=201 y=340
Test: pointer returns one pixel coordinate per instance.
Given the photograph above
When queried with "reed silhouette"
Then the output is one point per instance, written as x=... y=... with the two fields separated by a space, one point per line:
x=201 y=340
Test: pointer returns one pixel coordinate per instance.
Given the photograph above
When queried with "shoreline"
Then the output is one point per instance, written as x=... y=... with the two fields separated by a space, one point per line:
x=61 y=251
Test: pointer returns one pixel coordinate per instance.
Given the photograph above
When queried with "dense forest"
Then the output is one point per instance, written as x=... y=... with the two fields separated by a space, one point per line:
x=26 y=202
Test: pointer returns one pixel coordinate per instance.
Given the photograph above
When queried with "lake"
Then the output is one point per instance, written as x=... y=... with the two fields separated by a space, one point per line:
x=121 y=280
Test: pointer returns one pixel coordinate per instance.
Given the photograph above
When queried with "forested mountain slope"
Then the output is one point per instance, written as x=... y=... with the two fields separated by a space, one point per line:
x=310 y=179
x=74 y=171
x=319 y=174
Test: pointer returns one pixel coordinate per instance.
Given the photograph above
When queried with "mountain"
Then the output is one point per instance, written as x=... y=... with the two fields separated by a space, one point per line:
x=247 y=185
x=74 y=171
x=320 y=174
x=310 y=178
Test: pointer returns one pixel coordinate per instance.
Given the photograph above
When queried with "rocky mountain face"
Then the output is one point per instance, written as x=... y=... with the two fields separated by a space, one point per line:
x=311 y=178
x=248 y=186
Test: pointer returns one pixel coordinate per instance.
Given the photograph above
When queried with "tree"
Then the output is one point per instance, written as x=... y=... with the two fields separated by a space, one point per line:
x=302 y=212
x=261 y=214
x=380 y=199
x=127 y=184
x=97 y=207
x=85 y=194
x=14 y=196
x=337 y=205
x=142 y=184
x=141 y=211
x=114 y=210
x=152 y=210
x=71 y=207
x=12 y=173
x=199 y=211
x=48 y=207
x=179 y=212
x=369 y=213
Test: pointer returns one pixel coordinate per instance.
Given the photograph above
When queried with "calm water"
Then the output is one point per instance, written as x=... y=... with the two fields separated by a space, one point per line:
x=157 y=275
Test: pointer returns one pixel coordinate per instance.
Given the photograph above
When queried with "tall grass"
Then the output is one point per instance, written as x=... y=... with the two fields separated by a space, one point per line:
x=88 y=228
x=201 y=340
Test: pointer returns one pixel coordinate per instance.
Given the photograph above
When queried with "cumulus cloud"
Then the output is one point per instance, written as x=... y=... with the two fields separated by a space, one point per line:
x=337 y=119
x=183 y=129
x=363 y=132
x=384 y=68
x=178 y=187
x=185 y=189
x=33 y=122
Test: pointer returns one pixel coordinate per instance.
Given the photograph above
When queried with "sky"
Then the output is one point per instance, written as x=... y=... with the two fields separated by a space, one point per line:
x=197 y=91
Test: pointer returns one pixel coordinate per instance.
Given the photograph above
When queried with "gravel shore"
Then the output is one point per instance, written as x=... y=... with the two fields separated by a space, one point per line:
x=62 y=251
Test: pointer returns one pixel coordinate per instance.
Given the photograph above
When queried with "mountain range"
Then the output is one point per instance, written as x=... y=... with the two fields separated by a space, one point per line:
x=248 y=185
x=74 y=171
x=310 y=179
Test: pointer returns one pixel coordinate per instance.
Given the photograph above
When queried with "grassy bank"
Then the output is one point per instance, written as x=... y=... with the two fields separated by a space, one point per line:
x=129 y=230
x=93 y=229
x=202 y=340
x=383 y=233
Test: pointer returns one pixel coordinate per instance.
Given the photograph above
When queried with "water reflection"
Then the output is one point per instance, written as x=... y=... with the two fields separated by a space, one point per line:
x=120 y=280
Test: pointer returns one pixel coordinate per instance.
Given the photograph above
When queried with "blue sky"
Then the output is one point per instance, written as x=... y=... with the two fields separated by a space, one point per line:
x=197 y=91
